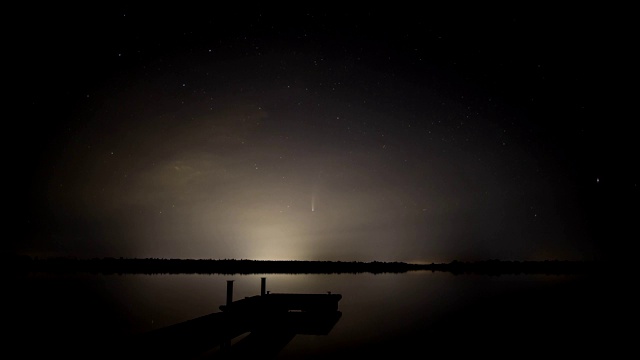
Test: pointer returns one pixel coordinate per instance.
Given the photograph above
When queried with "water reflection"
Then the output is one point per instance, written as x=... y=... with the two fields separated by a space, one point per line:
x=379 y=315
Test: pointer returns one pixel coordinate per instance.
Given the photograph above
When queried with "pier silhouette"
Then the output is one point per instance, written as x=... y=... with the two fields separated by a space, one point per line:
x=260 y=325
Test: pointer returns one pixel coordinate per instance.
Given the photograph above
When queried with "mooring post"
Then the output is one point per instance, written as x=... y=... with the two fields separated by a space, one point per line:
x=263 y=286
x=229 y=292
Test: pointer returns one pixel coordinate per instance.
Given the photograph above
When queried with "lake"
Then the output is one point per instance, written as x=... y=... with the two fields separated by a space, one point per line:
x=417 y=313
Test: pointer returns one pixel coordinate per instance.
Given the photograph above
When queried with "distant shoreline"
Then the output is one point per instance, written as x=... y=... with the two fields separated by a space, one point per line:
x=25 y=264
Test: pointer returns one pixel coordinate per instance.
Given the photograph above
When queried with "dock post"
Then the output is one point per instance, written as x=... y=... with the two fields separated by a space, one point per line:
x=263 y=286
x=229 y=292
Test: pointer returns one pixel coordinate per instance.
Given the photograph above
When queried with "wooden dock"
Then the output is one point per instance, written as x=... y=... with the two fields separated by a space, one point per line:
x=278 y=303
x=271 y=320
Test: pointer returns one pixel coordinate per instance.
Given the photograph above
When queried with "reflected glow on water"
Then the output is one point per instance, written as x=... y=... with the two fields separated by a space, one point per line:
x=380 y=313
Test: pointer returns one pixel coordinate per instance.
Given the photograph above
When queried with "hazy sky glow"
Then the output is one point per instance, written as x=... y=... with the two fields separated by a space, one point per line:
x=312 y=136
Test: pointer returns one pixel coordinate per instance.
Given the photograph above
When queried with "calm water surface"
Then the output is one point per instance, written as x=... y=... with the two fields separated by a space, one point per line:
x=424 y=313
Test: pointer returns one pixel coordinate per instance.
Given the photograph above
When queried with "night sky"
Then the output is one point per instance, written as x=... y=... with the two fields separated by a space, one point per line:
x=411 y=134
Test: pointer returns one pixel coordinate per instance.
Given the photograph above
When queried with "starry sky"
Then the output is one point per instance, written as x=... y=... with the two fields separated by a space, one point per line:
x=389 y=134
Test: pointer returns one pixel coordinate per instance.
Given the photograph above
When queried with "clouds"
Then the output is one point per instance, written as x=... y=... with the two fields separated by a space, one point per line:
x=418 y=137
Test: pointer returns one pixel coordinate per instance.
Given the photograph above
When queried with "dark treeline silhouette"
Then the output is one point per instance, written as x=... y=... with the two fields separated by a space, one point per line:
x=23 y=263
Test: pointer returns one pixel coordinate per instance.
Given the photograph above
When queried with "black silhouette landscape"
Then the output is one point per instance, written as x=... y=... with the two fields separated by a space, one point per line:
x=243 y=266
x=566 y=304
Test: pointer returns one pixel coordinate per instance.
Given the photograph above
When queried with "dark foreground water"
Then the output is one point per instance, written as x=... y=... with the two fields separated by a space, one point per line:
x=399 y=315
